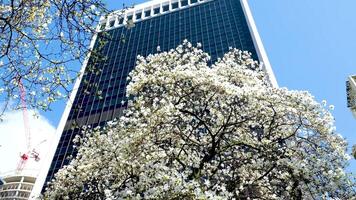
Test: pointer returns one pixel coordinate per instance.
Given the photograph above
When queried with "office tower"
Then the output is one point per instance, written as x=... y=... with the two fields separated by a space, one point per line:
x=99 y=96
x=351 y=94
x=17 y=187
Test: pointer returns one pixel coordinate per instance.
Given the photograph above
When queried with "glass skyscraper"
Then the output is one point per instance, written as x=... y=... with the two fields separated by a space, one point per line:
x=99 y=95
x=351 y=94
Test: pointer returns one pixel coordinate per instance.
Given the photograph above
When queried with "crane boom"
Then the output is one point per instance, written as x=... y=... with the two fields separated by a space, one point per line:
x=28 y=152
x=25 y=114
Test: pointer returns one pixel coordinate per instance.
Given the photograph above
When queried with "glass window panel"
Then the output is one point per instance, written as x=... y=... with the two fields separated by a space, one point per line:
x=165 y=8
x=184 y=2
x=121 y=20
x=156 y=11
x=111 y=24
x=138 y=15
x=175 y=5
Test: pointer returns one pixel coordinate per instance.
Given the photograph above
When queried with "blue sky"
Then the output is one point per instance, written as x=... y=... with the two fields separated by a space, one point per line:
x=311 y=46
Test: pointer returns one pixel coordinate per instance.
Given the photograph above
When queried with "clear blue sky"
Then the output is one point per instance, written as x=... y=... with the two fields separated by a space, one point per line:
x=311 y=46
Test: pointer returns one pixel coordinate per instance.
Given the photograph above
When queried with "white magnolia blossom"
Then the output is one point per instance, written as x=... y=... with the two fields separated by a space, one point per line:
x=195 y=131
x=42 y=42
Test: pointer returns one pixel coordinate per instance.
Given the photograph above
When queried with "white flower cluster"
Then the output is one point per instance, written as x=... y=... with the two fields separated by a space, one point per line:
x=41 y=43
x=195 y=131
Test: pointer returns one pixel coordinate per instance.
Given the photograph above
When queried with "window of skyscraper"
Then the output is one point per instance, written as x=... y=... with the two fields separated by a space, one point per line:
x=147 y=13
x=102 y=26
x=129 y=17
x=193 y=1
x=156 y=10
x=165 y=8
x=174 y=5
x=111 y=24
x=138 y=15
x=121 y=20
x=184 y=2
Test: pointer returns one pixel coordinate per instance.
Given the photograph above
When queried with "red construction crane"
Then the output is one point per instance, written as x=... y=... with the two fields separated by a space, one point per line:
x=29 y=153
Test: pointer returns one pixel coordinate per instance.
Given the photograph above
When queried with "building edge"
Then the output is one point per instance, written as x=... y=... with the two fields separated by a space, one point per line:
x=40 y=181
x=351 y=94
x=261 y=53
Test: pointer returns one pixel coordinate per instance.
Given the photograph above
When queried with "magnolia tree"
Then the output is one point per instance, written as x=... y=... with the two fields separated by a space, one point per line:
x=193 y=131
x=40 y=42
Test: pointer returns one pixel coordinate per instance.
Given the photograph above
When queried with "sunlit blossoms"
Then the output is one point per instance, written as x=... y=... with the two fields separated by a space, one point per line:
x=42 y=43
x=193 y=131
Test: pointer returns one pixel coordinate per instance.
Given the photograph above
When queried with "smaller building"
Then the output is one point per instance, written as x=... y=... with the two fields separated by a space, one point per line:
x=16 y=187
x=351 y=94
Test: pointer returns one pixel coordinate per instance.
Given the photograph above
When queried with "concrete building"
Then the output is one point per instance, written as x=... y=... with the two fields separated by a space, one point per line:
x=17 y=186
x=216 y=24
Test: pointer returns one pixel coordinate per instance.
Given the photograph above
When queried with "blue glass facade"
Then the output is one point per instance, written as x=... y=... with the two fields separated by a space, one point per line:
x=216 y=24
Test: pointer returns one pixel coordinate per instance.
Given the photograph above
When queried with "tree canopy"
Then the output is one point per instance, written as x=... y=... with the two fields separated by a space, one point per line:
x=194 y=131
